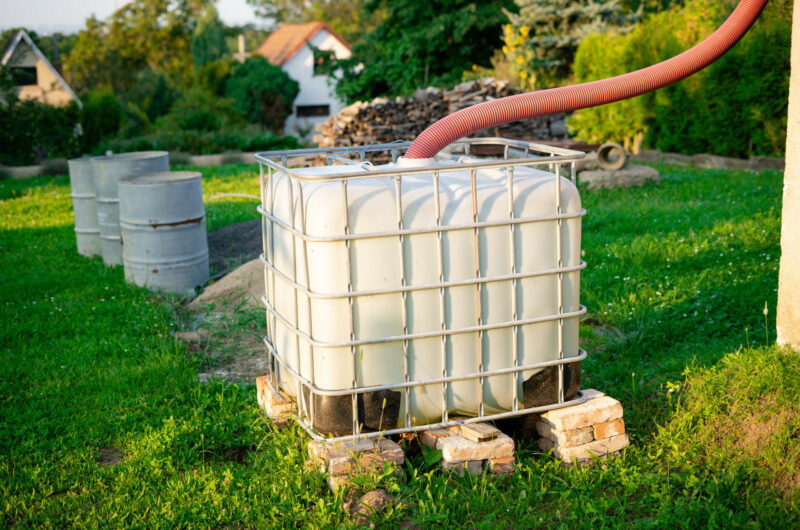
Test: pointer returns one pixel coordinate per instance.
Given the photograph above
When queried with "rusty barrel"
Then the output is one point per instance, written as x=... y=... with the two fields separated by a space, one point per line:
x=107 y=172
x=84 y=207
x=163 y=224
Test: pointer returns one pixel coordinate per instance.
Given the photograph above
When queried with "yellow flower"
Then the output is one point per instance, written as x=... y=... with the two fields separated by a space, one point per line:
x=520 y=59
x=523 y=74
x=474 y=67
x=505 y=50
x=524 y=31
x=507 y=27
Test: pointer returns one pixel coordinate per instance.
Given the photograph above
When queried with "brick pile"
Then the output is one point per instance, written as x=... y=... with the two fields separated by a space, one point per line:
x=471 y=448
x=344 y=460
x=593 y=429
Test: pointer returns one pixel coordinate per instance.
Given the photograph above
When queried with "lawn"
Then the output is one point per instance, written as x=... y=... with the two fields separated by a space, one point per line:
x=103 y=421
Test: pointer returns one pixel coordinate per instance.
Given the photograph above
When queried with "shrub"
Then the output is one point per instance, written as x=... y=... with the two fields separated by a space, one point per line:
x=32 y=130
x=198 y=110
x=735 y=107
x=199 y=143
x=263 y=92
x=213 y=76
x=101 y=117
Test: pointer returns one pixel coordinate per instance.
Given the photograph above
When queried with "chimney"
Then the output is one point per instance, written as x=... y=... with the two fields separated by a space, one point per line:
x=241 y=54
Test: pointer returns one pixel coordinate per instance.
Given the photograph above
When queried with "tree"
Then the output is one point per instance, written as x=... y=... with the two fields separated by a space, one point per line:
x=349 y=18
x=143 y=33
x=544 y=36
x=208 y=41
x=263 y=92
x=421 y=43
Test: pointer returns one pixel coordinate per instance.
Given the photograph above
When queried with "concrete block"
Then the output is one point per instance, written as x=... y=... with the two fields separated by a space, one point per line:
x=501 y=466
x=598 y=409
x=596 y=448
x=278 y=410
x=456 y=448
x=473 y=467
x=608 y=429
x=569 y=438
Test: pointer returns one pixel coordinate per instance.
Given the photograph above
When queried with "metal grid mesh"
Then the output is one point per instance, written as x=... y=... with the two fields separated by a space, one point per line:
x=515 y=153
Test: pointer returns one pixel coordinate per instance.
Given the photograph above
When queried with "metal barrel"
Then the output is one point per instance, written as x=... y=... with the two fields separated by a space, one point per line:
x=162 y=219
x=81 y=181
x=107 y=172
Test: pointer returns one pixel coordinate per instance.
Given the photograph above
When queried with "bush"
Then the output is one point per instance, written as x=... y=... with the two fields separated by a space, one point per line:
x=101 y=117
x=735 y=107
x=32 y=130
x=199 y=143
x=198 y=110
x=263 y=92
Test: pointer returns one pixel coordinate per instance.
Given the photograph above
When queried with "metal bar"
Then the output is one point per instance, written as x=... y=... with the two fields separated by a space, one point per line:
x=424 y=286
x=273 y=193
x=356 y=428
x=412 y=231
x=404 y=297
x=437 y=210
x=478 y=305
x=394 y=386
x=296 y=325
x=560 y=286
x=424 y=334
x=512 y=248
x=439 y=425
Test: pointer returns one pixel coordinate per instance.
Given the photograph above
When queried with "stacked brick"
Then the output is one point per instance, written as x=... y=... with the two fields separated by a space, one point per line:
x=274 y=402
x=472 y=448
x=593 y=429
x=344 y=460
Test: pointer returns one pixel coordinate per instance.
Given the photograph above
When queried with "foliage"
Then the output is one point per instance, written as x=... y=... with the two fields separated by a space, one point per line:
x=420 y=43
x=198 y=142
x=208 y=41
x=649 y=6
x=32 y=130
x=263 y=92
x=541 y=40
x=198 y=110
x=153 y=34
x=103 y=374
x=102 y=116
x=214 y=75
x=735 y=107
x=348 y=18
x=152 y=92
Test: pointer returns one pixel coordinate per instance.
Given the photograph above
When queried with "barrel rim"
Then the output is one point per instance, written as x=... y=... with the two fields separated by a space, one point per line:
x=127 y=157
x=160 y=177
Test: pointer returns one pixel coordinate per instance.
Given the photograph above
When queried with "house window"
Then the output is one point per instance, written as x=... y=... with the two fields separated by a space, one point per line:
x=322 y=60
x=23 y=75
x=310 y=111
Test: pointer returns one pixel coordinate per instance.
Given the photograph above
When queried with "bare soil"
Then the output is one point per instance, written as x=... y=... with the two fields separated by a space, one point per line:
x=234 y=245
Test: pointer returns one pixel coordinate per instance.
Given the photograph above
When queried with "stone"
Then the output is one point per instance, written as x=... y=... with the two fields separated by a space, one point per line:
x=609 y=428
x=597 y=448
x=632 y=175
x=473 y=467
x=598 y=409
x=501 y=466
x=370 y=504
x=458 y=449
x=570 y=438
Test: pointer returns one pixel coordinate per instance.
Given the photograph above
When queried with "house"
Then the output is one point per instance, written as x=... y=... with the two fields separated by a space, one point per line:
x=298 y=49
x=34 y=76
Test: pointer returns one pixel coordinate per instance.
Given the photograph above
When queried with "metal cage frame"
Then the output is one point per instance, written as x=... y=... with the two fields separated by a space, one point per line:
x=515 y=153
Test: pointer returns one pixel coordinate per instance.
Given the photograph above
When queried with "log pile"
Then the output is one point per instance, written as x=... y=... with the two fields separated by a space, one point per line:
x=385 y=120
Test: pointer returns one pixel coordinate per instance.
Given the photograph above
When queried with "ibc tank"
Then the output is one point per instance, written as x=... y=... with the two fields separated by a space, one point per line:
x=107 y=172
x=416 y=314
x=163 y=226
x=81 y=181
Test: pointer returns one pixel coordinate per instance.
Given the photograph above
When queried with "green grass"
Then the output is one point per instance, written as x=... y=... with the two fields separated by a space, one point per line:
x=677 y=279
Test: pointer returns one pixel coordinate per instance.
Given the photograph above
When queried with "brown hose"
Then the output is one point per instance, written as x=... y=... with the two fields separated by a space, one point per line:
x=564 y=99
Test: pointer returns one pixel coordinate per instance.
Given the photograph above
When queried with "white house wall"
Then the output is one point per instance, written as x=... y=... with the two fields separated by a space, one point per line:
x=314 y=89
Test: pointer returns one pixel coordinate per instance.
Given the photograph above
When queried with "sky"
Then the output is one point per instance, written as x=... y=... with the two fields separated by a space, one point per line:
x=68 y=16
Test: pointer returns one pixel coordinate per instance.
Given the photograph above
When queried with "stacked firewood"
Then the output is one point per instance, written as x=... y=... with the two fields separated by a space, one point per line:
x=385 y=120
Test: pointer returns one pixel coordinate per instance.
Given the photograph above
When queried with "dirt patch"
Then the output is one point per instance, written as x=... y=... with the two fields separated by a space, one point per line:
x=224 y=327
x=107 y=456
x=234 y=245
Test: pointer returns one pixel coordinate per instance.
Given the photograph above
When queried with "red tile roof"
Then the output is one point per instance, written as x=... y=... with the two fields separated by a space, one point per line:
x=289 y=39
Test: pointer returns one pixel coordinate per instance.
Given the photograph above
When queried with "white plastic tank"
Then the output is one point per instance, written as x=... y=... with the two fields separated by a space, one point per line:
x=518 y=286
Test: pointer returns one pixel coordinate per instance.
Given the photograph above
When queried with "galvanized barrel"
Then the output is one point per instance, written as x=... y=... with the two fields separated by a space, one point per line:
x=163 y=224
x=107 y=172
x=87 y=232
